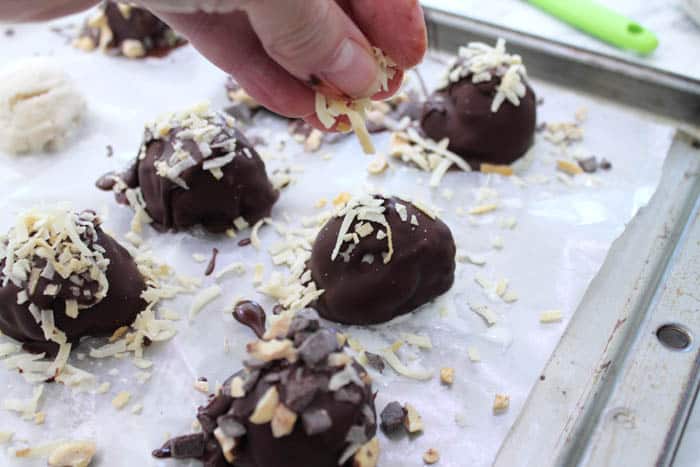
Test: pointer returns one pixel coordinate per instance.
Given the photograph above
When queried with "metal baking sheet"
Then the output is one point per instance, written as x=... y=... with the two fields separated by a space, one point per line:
x=562 y=238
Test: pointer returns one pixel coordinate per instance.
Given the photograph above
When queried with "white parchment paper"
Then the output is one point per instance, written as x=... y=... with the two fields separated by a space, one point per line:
x=562 y=236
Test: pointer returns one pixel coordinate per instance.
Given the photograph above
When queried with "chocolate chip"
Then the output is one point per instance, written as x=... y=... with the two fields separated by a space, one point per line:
x=392 y=417
x=318 y=346
x=230 y=426
x=375 y=361
x=605 y=164
x=589 y=165
x=349 y=394
x=187 y=447
x=316 y=421
x=300 y=391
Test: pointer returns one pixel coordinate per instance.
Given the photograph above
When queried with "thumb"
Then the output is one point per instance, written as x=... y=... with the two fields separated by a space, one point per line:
x=318 y=43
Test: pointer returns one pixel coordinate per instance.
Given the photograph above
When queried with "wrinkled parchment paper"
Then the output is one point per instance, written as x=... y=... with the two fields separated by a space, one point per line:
x=562 y=236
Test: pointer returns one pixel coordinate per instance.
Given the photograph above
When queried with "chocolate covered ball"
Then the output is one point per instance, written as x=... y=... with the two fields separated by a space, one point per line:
x=380 y=258
x=62 y=278
x=300 y=401
x=196 y=168
x=487 y=110
x=126 y=29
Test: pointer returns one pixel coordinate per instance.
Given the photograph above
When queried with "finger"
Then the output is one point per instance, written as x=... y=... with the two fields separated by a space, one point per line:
x=318 y=43
x=395 y=26
x=40 y=10
x=230 y=43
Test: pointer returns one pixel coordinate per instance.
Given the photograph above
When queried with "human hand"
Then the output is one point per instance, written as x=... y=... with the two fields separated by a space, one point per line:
x=282 y=51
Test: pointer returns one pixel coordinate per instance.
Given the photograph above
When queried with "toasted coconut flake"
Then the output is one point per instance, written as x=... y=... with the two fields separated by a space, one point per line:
x=486 y=313
x=393 y=360
x=237 y=387
x=254 y=238
x=550 y=316
x=283 y=421
x=569 y=168
x=272 y=350
x=73 y=454
x=121 y=399
x=368 y=454
x=266 y=407
x=227 y=443
x=203 y=298
x=483 y=209
x=419 y=341
x=27 y=408
x=504 y=170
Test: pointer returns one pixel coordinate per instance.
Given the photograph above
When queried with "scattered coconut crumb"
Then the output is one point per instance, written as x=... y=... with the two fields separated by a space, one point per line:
x=497 y=242
x=39 y=418
x=501 y=403
x=482 y=209
x=486 y=313
x=473 y=354
x=199 y=258
x=378 y=165
x=321 y=203
x=121 y=399
x=550 y=316
x=431 y=456
x=136 y=409
x=258 y=273
x=103 y=388
x=447 y=376
x=394 y=362
x=6 y=436
x=73 y=454
x=568 y=167
x=422 y=342
x=413 y=421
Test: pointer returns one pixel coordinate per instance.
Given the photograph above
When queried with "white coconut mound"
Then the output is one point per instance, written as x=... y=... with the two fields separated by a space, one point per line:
x=39 y=106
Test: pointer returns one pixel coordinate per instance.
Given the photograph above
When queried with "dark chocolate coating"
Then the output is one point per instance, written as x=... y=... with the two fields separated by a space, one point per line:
x=140 y=24
x=118 y=308
x=244 y=191
x=304 y=389
x=462 y=113
x=421 y=269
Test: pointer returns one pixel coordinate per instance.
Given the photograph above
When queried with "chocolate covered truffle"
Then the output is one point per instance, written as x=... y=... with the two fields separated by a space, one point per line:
x=379 y=258
x=486 y=108
x=300 y=401
x=196 y=167
x=62 y=278
x=127 y=30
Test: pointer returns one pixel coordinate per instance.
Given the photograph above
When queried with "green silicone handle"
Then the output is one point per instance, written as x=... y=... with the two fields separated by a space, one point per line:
x=601 y=22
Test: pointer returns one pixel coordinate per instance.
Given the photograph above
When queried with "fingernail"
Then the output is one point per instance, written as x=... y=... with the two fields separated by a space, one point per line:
x=353 y=70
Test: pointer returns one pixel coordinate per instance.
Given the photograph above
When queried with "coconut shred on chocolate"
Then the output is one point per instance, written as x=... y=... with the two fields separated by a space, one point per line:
x=379 y=258
x=127 y=30
x=195 y=168
x=62 y=278
x=300 y=401
x=485 y=107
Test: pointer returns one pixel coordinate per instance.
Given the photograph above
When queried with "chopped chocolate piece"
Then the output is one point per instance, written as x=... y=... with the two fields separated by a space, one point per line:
x=695 y=143
x=300 y=391
x=230 y=426
x=212 y=262
x=316 y=421
x=348 y=394
x=375 y=361
x=392 y=417
x=287 y=414
x=589 y=165
x=250 y=314
x=318 y=346
x=110 y=150
x=95 y=289
x=382 y=267
x=277 y=309
x=244 y=242
x=196 y=167
x=483 y=121
x=9 y=32
x=605 y=164
x=304 y=320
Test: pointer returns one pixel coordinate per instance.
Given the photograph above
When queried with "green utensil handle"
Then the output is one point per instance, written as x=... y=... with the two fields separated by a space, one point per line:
x=601 y=22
